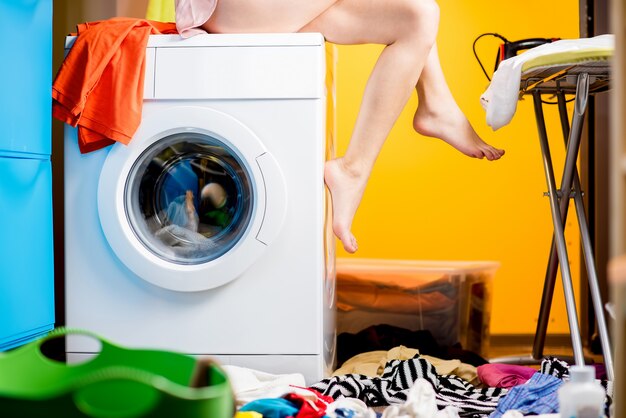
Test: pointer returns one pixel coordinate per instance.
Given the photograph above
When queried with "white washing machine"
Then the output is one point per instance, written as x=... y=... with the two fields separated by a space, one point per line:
x=209 y=234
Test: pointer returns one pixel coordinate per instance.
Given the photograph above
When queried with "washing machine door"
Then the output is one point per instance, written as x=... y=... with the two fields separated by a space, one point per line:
x=192 y=201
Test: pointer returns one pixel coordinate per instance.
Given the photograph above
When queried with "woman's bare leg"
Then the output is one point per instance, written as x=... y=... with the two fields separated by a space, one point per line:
x=439 y=116
x=408 y=28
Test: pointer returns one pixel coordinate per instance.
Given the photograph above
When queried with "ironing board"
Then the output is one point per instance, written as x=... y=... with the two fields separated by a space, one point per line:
x=580 y=73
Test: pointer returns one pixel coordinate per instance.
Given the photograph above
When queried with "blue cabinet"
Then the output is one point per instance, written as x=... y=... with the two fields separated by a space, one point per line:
x=26 y=247
x=26 y=277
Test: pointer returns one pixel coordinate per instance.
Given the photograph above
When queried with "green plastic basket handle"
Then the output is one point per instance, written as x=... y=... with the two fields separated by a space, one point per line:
x=64 y=331
x=110 y=392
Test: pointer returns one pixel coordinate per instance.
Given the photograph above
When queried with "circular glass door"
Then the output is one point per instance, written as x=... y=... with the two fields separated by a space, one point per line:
x=189 y=198
x=192 y=201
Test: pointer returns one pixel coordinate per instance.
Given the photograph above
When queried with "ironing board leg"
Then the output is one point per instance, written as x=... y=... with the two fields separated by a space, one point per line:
x=590 y=262
x=546 y=300
x=559 y=230
x=553 y=260
x=592 y=275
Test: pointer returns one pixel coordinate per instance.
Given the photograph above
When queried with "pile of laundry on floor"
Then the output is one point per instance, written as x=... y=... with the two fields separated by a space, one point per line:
x=403 y=382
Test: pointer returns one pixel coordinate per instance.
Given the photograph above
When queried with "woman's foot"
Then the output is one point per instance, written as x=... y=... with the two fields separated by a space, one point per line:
x=346 y=189
x=453 y=127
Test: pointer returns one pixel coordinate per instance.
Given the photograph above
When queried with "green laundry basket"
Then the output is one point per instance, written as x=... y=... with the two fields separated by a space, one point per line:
x=117 y=383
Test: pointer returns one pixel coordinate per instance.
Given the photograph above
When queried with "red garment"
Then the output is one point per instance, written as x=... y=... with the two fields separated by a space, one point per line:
x=99 y=87
x=310 y=408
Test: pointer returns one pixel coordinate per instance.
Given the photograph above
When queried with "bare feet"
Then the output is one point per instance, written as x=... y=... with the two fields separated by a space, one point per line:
x=453 y=127
x=346 y=190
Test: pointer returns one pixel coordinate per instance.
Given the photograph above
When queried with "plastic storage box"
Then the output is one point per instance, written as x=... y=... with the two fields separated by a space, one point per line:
x=451 y=299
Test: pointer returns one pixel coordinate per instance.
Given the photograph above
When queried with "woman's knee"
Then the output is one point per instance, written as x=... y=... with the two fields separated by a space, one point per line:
x=422 y=19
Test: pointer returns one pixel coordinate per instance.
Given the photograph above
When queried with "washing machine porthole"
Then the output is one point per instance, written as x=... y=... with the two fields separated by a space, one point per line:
x=189 y=198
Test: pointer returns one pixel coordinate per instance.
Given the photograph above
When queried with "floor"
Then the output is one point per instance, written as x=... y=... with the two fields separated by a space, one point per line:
x=559 y=351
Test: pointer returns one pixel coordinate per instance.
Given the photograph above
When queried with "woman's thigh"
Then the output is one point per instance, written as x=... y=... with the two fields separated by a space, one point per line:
x=377 y=21
x=250 y=16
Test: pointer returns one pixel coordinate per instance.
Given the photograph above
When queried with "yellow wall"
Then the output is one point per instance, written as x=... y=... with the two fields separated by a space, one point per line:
x=427 y=201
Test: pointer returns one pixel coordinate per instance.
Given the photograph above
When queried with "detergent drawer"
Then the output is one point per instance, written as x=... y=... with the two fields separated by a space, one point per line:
x=240 y=72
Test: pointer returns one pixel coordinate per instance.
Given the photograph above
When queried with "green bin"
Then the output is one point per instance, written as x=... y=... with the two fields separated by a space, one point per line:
x=117 y=383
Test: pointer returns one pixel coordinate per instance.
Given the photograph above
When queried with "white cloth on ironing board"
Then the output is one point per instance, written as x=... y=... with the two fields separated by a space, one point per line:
x=500 y=98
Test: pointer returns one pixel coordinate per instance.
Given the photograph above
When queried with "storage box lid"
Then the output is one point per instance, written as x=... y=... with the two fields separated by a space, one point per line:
x=409 y=274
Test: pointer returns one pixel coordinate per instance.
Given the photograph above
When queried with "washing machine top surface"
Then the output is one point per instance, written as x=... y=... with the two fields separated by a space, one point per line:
x=234 y=66
x=231 y=39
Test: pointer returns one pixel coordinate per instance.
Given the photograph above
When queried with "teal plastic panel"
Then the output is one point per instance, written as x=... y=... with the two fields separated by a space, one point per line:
x=26 y=250
x=25 y=75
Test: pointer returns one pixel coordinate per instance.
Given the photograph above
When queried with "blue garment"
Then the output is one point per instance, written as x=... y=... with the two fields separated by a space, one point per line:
x=178 y=179
x=344 y=413
x=537 y=396
x=272 y=408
